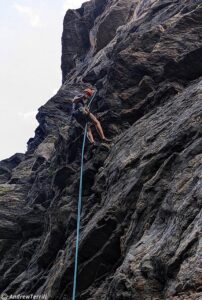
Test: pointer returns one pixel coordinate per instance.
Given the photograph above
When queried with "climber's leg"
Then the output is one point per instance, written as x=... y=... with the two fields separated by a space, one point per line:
x=97 y=125
x=90 y=135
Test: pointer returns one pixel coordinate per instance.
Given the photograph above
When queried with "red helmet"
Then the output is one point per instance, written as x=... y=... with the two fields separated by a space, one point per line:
x=89 y=92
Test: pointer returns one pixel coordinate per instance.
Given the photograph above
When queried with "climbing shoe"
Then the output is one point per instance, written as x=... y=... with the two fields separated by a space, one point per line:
x=95 y=144
x=106 y=140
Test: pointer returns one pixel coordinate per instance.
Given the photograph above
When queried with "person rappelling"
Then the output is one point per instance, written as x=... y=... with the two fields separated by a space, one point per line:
x=83 y=115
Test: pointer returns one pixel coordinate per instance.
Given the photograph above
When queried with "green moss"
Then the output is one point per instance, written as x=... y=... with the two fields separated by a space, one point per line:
x=51 y=171
x=4 y=190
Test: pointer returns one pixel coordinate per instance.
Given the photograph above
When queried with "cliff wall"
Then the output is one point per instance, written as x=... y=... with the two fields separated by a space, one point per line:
x=141 y=210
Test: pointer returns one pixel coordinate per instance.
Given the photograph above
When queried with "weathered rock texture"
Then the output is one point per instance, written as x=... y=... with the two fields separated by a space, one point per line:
x=141 y=215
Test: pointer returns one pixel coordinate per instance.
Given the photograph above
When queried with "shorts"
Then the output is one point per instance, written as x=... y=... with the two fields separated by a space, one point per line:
x=81 y=117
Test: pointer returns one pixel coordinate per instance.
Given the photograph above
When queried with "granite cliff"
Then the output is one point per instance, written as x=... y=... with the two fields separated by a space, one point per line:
x=141 y=212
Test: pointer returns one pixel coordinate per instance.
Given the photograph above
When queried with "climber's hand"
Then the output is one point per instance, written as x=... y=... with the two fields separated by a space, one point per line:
x=87 y=111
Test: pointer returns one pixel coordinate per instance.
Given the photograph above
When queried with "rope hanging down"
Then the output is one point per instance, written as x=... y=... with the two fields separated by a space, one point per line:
x=79 y=207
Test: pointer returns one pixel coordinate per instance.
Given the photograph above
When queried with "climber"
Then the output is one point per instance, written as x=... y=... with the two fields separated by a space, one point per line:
x=83 y=115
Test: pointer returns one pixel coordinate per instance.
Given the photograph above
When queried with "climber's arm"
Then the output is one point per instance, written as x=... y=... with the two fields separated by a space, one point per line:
x=78 y=98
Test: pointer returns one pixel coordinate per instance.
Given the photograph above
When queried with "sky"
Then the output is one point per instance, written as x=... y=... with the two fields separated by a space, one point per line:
x=30 y=59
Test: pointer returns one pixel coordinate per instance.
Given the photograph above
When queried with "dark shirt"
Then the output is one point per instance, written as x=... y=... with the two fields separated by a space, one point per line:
x=78 y=102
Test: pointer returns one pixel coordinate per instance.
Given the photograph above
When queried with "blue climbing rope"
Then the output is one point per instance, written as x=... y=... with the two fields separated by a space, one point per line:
x=79 y=206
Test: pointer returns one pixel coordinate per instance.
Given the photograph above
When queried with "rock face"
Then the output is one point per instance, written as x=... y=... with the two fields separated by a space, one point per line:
x=141 y=207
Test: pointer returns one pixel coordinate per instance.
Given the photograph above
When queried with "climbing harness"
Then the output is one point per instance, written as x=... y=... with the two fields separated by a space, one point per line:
x=79 y=206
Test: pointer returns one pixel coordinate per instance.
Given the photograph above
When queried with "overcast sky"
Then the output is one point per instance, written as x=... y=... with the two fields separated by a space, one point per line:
x=30 y=54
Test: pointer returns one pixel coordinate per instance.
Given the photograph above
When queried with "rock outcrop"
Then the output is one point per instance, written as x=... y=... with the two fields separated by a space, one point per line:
x=141 y=208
